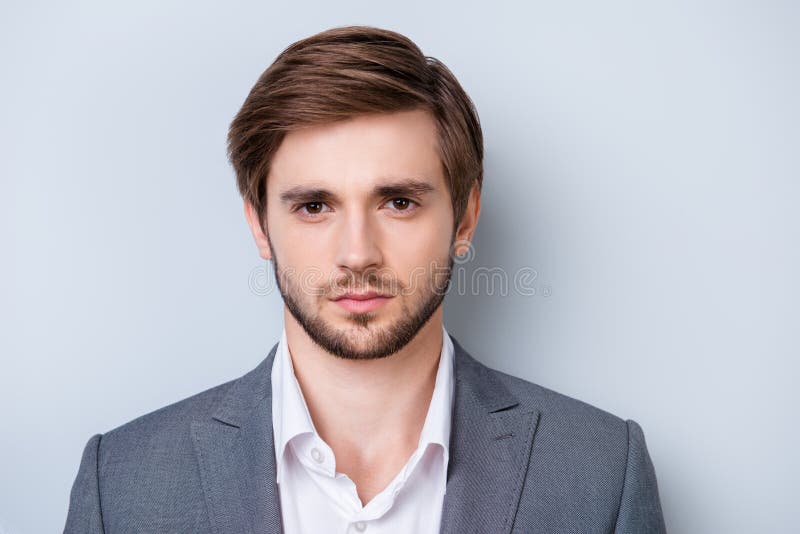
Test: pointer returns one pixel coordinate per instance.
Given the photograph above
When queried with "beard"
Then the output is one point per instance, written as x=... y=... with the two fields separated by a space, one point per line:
x=378 y=341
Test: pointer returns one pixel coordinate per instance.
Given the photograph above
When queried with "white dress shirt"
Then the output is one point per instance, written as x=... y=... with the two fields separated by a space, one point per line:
x=316 y=499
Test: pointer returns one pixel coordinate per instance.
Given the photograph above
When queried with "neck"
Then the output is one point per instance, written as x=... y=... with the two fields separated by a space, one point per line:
x=364 y=405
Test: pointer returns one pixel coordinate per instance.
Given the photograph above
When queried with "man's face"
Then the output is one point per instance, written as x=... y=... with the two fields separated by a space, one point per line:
x=355 y=206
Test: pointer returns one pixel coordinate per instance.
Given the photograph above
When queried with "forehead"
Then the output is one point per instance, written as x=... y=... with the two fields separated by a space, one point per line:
x=360 y=152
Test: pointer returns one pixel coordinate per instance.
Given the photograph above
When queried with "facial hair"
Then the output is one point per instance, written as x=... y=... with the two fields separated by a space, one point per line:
x=384 y=341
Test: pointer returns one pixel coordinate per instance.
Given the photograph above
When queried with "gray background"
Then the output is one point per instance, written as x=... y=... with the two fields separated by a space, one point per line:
x=641 y=157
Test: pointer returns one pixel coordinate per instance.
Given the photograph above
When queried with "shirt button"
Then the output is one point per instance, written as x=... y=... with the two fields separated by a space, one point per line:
x=361 y=526
x=317 y=455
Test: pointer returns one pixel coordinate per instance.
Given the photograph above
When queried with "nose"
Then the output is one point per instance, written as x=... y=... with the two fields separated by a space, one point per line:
x=358 y=248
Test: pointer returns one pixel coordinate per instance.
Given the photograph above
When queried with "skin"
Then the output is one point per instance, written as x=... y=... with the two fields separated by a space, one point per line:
x=367 y=378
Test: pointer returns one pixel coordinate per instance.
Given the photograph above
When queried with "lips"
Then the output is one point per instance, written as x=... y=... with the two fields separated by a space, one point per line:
x=360 y=296
x=362 y=302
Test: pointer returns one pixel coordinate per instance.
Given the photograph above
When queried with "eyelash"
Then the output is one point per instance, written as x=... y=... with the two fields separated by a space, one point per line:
x=410 y=209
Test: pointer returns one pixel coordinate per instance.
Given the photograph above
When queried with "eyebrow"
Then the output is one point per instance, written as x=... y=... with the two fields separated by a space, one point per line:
x=404 y=187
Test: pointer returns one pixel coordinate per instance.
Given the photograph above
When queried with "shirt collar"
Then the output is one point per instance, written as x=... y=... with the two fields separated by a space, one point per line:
x=291 y=417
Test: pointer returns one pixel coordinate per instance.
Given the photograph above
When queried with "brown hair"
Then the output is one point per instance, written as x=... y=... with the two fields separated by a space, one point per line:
x=347 y=71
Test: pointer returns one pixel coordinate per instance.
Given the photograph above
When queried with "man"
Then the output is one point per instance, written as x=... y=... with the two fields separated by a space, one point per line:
x=360 y=164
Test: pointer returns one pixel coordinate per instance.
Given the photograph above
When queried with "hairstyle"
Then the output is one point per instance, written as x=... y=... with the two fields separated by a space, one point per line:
x=339 y=74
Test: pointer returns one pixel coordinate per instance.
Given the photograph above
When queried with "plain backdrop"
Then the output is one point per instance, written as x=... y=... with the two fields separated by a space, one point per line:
x=641 y=160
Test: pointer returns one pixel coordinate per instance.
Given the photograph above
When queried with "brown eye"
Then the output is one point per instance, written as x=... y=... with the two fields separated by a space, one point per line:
x=402 y=204
x=403 y=207
x=313 y=207
x=310 y=210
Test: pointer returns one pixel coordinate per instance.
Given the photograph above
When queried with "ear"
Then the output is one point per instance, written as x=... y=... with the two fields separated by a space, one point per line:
x=258 y=234
x=469 y=221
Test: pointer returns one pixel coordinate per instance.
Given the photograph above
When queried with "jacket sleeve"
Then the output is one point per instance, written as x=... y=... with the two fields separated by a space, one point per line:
x=640 y=506
x=84 y=515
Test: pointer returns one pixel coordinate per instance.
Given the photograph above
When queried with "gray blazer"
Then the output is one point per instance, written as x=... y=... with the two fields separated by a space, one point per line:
x=522 y=459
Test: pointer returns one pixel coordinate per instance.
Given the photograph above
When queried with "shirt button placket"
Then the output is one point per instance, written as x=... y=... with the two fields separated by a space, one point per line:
x=360 y=526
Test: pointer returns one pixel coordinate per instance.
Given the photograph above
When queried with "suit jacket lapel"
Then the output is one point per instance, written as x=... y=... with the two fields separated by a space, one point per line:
x=236 y=455
x=490 y=447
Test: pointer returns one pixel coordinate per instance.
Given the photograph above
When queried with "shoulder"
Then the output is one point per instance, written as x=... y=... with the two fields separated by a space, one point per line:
x=582 y=450
x=581 y=461
x=166 y=428
x=169 y=427
x=556 y=408
x=563 y=408
x=566 y=427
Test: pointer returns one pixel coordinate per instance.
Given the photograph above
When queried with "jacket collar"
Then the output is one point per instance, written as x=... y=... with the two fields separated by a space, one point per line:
x=490 y=444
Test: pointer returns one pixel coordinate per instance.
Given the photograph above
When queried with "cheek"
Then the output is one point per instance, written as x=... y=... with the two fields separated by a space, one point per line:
x=423 y=240
x=300 y=246
x=416 y=259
